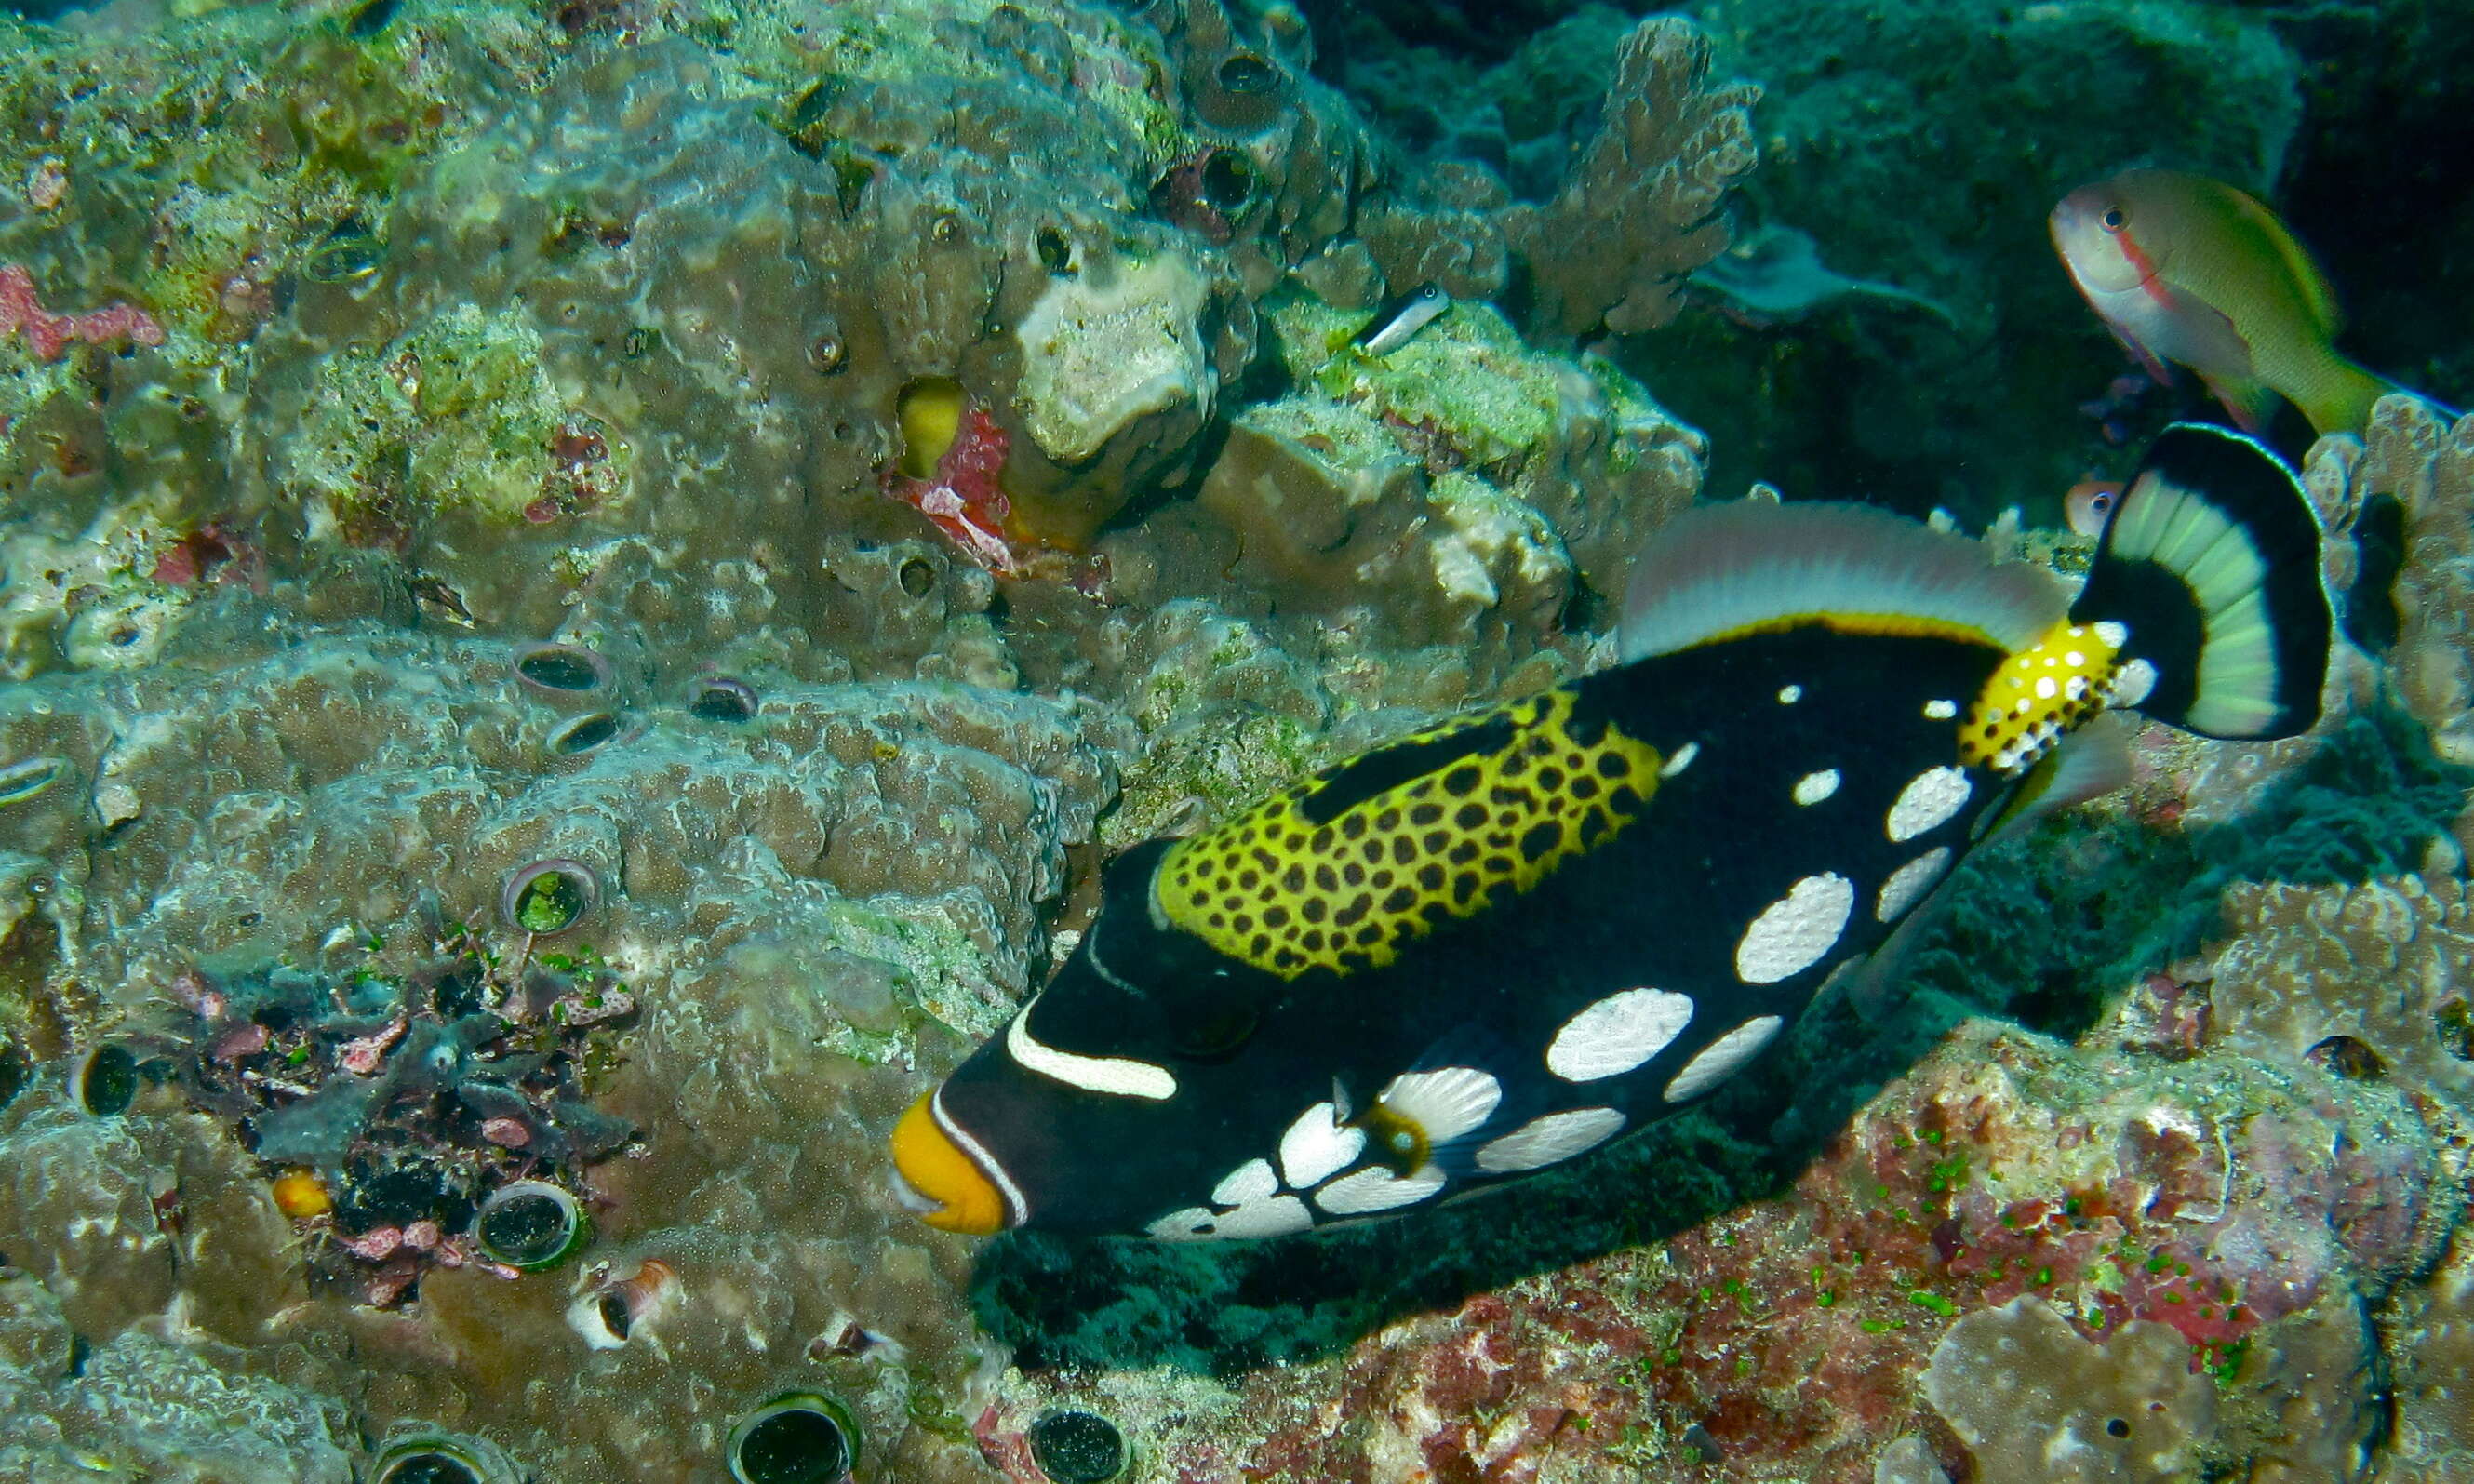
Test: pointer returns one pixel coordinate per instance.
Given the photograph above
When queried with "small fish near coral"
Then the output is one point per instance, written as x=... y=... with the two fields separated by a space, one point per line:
x=1397 y=322
x=1498 y=944
x=2188 y=270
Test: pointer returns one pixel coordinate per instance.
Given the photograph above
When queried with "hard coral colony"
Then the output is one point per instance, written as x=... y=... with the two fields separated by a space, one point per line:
x=606 y=607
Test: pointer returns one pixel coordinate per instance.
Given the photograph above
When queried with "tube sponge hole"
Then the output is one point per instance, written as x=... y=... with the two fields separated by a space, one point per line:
x=107 y=1081
x=1077 y=1447
x=801 y=1437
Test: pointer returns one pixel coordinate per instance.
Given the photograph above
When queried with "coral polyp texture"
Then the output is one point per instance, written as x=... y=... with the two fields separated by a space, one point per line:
x=586 y=590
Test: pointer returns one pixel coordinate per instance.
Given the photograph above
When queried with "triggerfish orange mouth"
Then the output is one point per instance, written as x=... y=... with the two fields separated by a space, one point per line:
x=952 y=1191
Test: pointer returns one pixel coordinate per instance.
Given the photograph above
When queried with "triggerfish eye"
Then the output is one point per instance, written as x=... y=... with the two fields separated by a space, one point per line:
x=942 y=1182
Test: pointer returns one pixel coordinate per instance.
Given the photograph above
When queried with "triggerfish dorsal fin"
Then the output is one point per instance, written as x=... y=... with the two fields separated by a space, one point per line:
x=1723 y=571
x=2211 y=562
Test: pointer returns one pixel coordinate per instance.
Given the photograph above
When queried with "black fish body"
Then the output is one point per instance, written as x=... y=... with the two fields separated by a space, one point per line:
x=1494 y=945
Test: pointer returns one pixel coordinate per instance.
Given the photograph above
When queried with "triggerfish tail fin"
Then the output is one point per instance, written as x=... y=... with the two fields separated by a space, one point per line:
x=2207 y=581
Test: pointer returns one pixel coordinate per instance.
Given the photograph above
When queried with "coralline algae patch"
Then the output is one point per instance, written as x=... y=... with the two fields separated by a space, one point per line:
x=2205 y=1230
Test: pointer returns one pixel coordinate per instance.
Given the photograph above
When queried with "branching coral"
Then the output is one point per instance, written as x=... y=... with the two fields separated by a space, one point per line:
x=1639 y=210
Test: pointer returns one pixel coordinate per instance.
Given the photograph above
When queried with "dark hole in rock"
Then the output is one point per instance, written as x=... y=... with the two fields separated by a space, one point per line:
x=560 y=669
x=108 y=1082
x=2349 y=1059
x=795 y=1446
x=1077 y=1447
x=1228 y=180
x=528 y=1228
x=429 y=1468
x=585 y=733
x=349 y=253
x=614 y=1314
x=374 y=1197
x=16 y=1069
x=916 y=576
x=723 y=699
x=2455 y=1023
x=2115 y=1427
x=1056 y=254
x=372 y=18
x=1246 y=73
x=2371 y=617
x=456 y=995
x=22 y=781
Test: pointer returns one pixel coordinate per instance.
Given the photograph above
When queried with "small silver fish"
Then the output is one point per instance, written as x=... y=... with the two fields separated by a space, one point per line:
x=1401 y=319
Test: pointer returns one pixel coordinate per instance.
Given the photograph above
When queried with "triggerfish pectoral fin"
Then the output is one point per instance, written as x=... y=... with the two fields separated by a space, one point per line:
x=2207 y=581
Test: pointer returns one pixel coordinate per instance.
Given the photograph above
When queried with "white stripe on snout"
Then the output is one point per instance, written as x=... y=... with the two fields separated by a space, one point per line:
x=1017 y=1210
x=1117 y=1076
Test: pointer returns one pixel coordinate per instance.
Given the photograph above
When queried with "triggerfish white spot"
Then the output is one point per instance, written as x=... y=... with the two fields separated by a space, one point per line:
x=1618 y=1033
x=1548 y=1141
x=1378 y=1190
x=1317 y=1145
x=1723 y=1059
x=1931 y=798
x=1795 y=931
x=1907 y=885
x=1514 y=937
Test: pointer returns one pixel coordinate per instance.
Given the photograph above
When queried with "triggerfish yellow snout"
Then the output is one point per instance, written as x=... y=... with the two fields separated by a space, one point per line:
x=2188 y=270
x=939 y=1180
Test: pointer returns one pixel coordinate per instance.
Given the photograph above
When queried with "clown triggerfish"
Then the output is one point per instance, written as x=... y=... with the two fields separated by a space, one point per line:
x=1497 y=943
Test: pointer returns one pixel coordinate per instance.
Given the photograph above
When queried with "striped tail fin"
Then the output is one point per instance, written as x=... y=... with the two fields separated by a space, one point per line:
x=2211 y=561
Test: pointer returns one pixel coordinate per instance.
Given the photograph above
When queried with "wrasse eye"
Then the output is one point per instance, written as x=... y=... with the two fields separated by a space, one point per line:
x=2114 y=220
x=2100 y=501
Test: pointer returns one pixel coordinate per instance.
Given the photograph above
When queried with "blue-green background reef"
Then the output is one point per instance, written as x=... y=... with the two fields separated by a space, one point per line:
x=501 y=487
